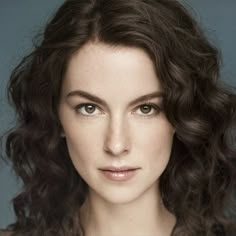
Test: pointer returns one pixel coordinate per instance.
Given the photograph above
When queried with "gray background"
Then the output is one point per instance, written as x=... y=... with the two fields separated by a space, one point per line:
x=20 y=20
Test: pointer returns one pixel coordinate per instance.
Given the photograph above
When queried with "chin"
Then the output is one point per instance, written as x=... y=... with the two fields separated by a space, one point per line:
x=120 y=194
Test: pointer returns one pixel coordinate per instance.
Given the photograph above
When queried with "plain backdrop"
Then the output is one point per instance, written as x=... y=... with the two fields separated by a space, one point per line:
x=20 y=20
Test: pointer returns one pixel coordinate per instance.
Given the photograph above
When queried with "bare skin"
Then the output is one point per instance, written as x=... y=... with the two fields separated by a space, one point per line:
x=127 y=219
x=117 y=132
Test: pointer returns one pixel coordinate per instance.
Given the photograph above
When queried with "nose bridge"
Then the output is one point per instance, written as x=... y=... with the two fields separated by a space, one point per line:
x=117 y=137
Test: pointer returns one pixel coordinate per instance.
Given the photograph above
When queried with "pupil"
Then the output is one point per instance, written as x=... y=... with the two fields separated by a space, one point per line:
x=89 y=108
x=145 y=109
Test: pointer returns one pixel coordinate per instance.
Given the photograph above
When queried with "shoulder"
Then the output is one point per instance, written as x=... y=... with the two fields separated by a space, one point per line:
x=5 y=232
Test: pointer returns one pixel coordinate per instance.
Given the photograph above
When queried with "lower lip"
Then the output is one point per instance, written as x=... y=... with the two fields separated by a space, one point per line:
x=119 y=175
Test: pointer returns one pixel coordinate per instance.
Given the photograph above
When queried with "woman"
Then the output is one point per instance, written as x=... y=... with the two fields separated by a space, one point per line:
x=123 y=125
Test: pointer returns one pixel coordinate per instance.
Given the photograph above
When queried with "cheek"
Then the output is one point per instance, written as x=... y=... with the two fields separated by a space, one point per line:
x=83 y=143
x=81 y=132
x=156 y=143
x=82 y=152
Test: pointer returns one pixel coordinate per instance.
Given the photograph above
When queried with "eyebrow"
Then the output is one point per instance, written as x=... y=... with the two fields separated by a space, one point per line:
x=94 y=98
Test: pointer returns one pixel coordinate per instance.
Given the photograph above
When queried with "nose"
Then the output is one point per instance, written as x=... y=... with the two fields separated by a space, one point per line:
x=117 y=141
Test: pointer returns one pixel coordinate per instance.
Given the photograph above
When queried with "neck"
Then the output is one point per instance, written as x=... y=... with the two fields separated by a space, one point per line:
x=145 y=215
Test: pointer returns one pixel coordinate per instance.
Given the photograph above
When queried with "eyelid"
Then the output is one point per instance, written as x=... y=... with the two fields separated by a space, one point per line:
x=81 y=105
x=156 y=107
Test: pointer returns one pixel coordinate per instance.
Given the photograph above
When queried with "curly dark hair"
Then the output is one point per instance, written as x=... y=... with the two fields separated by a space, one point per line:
x=197 y=185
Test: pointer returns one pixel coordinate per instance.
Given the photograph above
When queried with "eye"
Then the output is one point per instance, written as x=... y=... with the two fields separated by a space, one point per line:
x=86 y=109
x=148 y=109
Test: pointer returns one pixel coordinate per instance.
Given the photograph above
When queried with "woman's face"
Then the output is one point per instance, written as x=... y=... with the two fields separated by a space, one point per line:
x=112 y=129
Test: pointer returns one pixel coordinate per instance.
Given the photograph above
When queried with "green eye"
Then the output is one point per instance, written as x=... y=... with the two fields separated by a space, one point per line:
x=89 y=109
x=86 y=108
x=148 y=108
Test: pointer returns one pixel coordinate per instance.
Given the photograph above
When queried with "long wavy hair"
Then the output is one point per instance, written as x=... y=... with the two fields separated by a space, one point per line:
x=198 y=183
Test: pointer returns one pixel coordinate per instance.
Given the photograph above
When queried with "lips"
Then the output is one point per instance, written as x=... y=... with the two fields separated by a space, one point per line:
x=119 y=174
x=119 y=169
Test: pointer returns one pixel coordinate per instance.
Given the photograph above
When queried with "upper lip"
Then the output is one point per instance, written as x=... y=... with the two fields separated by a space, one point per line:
x=121 y=168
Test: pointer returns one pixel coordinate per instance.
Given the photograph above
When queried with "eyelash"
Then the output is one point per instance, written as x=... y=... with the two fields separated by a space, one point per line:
x=156 y=108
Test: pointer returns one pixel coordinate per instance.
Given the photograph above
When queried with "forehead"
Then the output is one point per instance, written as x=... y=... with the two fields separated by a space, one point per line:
x=108 y=68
